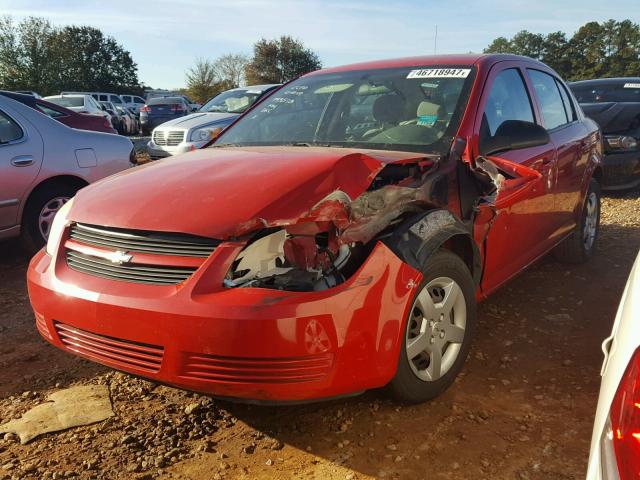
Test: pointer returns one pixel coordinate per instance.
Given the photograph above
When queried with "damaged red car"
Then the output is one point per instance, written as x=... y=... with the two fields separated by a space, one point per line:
x=335 y=239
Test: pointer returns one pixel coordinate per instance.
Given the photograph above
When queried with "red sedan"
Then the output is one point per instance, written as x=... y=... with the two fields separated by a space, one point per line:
x=81 y=121
x=335 y=239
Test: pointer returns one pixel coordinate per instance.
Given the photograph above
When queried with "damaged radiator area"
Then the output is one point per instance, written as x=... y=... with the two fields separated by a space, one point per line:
x=327 y=244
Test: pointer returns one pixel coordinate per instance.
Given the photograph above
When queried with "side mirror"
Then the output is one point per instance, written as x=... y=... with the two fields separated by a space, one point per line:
x=514 y=135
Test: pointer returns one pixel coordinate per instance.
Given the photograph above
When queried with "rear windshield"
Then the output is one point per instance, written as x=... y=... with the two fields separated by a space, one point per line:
x=67 y=101
x=607 y=92
x=165 y=101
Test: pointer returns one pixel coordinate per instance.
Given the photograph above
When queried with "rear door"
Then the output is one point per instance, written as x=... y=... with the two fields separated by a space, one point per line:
x=570 y=138
x=20 y=161
x=514 y=232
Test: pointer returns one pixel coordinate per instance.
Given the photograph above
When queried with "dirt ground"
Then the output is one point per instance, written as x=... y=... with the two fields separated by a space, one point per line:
x=523 y=407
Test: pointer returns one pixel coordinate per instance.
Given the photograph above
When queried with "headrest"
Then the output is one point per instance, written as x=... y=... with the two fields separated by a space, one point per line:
x=428 y=113
x=388 y=108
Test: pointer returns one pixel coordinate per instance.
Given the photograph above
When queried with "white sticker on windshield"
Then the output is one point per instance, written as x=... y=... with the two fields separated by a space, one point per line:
x=440 y=73
x=632 y=85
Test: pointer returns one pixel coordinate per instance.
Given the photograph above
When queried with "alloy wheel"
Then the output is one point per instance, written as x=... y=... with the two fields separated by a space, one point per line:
x=591 y=221
x=436 y=329
x=48 y=212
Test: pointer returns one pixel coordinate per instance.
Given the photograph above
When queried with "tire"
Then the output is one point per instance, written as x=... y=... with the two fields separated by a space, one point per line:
x=580 y=245
x=44 y=202
x=449 y=331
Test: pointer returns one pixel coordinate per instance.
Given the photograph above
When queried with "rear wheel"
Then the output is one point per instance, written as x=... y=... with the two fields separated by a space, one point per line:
x=579 y=246
x=438 y=331
x=39 y=213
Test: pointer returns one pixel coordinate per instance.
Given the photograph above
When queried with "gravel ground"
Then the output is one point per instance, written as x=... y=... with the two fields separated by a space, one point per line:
x=522 y=408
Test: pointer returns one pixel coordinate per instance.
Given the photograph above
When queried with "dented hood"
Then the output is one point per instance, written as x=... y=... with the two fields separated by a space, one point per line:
x=226 y=192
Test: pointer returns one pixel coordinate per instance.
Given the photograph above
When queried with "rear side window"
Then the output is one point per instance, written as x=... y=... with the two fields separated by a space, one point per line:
x=569 y=108
x=126 y=98
x=138 y=100
x=9 y=130
x=49 y=111
x=115 y=99
x=103 y=98
x=551 y=104
x=508 y=100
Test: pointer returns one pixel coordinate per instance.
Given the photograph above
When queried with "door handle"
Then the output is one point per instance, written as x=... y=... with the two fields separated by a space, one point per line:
x=22 y=161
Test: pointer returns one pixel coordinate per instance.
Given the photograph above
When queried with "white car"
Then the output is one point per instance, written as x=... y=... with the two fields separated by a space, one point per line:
x=43 y=163
x=79 y=103
x=193 y=131
x=133 y=102
x=615 y=444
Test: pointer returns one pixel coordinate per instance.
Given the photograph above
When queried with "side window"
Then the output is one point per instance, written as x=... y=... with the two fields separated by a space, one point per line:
x=9 y=130
x=126 y=98
x=138 y=100
x=508 y=100
x=102 y=98
x=115 y=99
x=50 y=111
x=551 y=105
x=569 y=108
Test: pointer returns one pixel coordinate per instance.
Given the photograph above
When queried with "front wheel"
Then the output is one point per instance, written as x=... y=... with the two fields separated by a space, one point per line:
x=438 y=331
x=580 y=245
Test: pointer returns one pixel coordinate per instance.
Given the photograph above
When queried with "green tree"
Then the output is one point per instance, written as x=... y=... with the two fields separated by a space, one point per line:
x=607 y=49
x=499 y=45
x=280 y=60
x=34 y=55
x=203 y=81
x=27 y=61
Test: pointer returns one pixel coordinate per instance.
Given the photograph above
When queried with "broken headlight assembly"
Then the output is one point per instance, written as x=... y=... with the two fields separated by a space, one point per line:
x=308 y=261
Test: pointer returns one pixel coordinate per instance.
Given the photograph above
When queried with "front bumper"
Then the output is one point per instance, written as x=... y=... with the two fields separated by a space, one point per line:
x=247 y=343
x=160 y=151
x=621 y=170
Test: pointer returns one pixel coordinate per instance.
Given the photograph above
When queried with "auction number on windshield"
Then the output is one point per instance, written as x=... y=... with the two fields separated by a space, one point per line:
x=440 y=73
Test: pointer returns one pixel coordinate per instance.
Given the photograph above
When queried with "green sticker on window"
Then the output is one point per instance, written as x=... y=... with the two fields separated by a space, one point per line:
x=427 y=120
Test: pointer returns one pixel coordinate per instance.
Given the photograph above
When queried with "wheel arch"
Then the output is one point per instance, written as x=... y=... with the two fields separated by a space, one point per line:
x=422 y=235
x=66 y=180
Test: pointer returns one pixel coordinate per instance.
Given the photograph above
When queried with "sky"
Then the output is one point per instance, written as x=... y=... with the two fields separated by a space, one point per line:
x=166 y=37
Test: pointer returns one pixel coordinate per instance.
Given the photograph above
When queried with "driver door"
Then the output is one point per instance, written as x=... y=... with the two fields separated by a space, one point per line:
x=515 y=226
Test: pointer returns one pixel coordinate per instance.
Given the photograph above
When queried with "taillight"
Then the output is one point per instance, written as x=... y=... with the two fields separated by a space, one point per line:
x=177 y=108
x=106 y=122
x=625 y=421
x=145 y=109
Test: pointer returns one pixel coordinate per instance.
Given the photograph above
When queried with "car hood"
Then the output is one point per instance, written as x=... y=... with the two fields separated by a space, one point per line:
x=613 y=117
x=228 y=192
x=196 y=120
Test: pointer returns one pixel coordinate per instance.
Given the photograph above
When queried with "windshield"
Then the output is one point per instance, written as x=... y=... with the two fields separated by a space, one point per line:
x=410 y=108
x=67 y=101
x=608 y=92
x=232 y=101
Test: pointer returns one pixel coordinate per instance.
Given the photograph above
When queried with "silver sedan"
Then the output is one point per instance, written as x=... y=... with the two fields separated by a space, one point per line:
x=43 y=163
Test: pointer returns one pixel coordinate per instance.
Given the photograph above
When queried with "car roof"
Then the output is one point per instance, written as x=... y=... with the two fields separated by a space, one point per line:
x=173 y=99
x=27 y=99
x=451 y=59
x=70 y=95
x=603 y=81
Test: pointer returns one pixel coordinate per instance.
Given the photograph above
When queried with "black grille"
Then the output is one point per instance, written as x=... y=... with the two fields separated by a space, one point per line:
x=138 y=273
x=177 y=244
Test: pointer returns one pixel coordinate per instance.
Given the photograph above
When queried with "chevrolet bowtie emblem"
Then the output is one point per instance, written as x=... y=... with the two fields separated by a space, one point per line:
x=118 y=257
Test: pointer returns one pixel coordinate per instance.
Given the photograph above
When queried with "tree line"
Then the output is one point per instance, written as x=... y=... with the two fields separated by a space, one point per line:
x=35 y=55
x=273 y=61
x=595 y=50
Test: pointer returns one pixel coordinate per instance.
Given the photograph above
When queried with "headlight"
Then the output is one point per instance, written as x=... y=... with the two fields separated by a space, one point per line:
x=205 y=134
x=621 y=142
x=57 y=227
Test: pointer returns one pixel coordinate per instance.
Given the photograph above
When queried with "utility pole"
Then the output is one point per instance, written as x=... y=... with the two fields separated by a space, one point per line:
x=435 y=42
